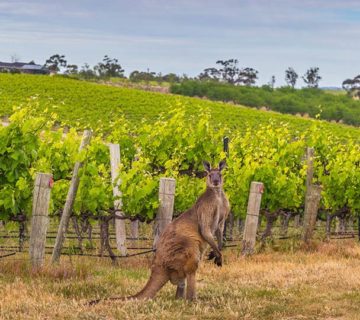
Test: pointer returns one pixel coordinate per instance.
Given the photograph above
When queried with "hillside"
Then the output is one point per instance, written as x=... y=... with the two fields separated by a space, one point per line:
x=330 y=105
x=83 y=104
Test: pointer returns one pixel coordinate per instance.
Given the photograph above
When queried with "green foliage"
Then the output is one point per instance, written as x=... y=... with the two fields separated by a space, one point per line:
x=139 y=186
x=174 y=145
x=188 y=189
x=103 y=108
x=270 y=155
x=19 y=143
x=285 y=100
x=58 y=154
x=109 y=68
x=181 y=142
x=171 y=146
x=95 y=189
x=341 y=178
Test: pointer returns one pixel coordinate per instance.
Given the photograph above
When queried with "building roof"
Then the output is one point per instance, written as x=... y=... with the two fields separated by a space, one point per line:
x=21 y=65
x=12 y=64
x=32 y=67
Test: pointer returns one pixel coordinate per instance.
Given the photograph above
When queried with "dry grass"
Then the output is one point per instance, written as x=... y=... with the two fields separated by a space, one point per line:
x=322 y=283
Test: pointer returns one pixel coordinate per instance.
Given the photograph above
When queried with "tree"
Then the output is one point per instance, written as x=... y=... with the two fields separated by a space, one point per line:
x=272 y=82
x=55 y=62
x=71 y=69
x=109 y=68
x=312 y=78
x=184 y=77
x=247 y=76
x=209 y=74
x=138 y=76
x=86 y=72
x=291 y=77
x=352 y=86
x=229 y=72
x=170 y=77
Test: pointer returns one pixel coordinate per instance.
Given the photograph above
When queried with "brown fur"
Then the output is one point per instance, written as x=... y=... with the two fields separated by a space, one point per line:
x=184 y=240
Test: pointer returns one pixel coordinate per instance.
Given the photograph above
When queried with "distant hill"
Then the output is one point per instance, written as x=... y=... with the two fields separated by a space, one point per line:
x=331 y=105
x=332 y=88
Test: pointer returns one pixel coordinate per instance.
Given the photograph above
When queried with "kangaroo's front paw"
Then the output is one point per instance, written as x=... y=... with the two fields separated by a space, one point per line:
x=211 y=255
x=218 y=261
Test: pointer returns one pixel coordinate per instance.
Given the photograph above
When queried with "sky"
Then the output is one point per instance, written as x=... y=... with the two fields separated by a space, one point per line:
x=187 y=36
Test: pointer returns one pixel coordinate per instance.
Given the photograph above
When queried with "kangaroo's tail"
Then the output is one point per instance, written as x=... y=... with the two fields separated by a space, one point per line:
x=157 y=280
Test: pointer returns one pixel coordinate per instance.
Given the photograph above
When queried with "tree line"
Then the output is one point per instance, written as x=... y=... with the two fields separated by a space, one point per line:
x=107 y=68
x=225 y=71
x=309 y=102
x=228 y=71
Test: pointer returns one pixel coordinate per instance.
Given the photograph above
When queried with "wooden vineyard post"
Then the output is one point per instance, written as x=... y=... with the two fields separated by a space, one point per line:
x=312 y=198
x=252 y=217
x=134 y=229
x=311 y=209
x=328 y=225
x=120 y=230
x=40 y=218
x=230 y=226
x=166 y=207
x=65 y=217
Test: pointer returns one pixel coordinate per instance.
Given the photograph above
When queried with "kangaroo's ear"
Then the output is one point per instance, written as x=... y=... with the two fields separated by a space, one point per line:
x=207 y=166
x=222 y=164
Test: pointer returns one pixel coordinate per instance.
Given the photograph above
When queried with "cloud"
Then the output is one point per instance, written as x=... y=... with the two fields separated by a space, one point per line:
x=31 y=33
x=187 y=35
x=40 y=9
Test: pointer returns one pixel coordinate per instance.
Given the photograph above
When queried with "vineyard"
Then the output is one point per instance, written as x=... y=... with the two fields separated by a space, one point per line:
x=81 y=104
x=163 y=136
x=174 y=146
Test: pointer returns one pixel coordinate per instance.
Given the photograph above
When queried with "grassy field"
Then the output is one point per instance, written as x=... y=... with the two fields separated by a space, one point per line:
x=319 y=284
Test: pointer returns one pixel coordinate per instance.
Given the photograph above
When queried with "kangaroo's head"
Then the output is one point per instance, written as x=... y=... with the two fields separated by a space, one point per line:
x=214 y=178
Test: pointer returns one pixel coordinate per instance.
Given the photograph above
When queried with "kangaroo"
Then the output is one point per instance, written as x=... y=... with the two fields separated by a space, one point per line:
x=224 y=211
x=184 y=240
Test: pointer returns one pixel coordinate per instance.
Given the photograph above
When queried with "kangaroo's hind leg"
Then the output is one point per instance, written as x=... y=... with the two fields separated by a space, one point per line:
x=180 y=290
x=190 y=288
